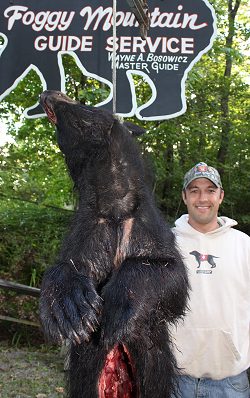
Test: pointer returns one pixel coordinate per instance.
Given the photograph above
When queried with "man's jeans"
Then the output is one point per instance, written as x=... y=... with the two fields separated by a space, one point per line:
x=230 y=387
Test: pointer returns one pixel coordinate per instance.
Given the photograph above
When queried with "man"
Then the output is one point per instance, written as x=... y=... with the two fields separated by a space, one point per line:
x=212 y=343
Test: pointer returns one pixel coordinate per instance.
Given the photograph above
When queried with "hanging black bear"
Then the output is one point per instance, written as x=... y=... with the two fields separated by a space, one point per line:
x=119 y=279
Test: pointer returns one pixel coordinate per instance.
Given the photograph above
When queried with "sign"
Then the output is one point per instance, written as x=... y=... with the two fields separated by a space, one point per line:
x=37 y=33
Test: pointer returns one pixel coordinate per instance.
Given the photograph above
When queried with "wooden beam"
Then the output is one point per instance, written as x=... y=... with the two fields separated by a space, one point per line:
x=23 y=321
x=23 y=289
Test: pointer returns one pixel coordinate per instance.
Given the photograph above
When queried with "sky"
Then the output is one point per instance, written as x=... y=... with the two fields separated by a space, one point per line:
x=3 y=135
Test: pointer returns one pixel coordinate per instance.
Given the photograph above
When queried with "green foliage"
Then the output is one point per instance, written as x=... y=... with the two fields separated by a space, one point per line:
x=33 y=175
x=29 y=239
x=33 y=168
x=30 y=236
x=85 y=89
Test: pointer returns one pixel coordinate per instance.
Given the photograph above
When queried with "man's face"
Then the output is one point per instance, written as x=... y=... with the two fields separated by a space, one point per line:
x=202 y=199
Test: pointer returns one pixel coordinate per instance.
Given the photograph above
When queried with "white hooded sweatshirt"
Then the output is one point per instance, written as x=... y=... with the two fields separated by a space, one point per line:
x=213 y=340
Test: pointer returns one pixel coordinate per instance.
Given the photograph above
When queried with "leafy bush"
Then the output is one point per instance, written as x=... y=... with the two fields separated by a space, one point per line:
x=30 y=236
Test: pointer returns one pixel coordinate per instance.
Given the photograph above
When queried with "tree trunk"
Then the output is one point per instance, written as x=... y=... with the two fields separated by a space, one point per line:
x=225 y=117
x=169 y=159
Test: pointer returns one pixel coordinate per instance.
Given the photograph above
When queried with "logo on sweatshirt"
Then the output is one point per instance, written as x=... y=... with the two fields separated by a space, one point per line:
x=209 y=258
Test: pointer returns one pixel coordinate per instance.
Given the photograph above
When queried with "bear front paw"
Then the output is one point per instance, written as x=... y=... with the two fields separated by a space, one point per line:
x=69 y=310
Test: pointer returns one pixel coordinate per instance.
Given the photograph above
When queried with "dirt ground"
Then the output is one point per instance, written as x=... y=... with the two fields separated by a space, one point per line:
x=26 y=373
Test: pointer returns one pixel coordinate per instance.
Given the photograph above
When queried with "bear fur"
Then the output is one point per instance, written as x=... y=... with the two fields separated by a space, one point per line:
x=119 y=279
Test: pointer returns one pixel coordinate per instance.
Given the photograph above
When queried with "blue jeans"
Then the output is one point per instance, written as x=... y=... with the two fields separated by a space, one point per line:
x=230 y=387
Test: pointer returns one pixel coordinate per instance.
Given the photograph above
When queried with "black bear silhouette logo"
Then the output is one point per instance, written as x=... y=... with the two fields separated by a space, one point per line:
x=37 y=34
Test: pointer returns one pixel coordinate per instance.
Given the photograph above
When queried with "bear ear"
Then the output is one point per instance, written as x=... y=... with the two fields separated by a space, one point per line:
x=134 y=129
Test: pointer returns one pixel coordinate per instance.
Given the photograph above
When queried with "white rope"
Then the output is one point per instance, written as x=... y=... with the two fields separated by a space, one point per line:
x=114 y=57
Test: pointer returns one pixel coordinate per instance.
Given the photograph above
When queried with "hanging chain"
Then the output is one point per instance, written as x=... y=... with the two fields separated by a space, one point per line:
x=141 y=12
x=114 y=57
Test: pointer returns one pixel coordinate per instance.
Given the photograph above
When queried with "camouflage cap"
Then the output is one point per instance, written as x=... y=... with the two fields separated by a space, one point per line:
x=202 y=170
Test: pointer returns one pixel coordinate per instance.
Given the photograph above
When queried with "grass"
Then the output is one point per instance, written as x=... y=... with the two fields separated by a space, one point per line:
x=26 y=373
